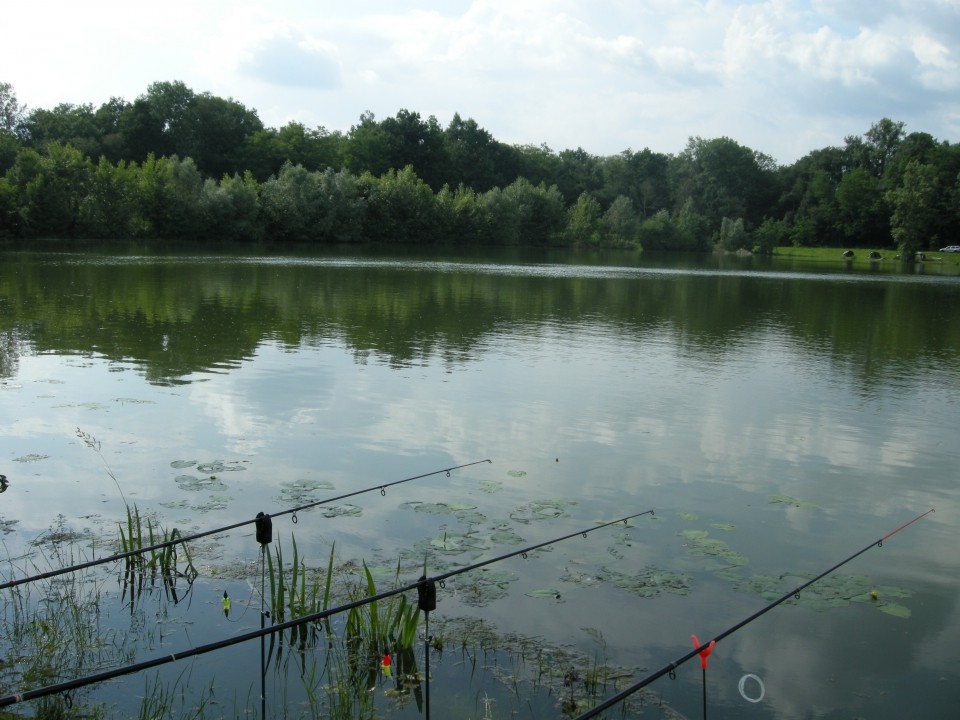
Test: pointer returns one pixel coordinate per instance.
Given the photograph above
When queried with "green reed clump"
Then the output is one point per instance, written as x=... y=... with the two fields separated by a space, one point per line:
x=147 y=562
x=51 y=630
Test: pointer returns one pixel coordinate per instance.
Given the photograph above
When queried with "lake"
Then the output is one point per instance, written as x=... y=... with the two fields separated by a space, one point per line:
x=777 y=417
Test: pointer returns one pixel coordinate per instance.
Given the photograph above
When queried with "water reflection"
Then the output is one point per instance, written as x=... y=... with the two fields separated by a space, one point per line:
x=709 y=394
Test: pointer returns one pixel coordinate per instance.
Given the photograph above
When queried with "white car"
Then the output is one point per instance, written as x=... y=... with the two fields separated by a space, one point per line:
x=950 y=248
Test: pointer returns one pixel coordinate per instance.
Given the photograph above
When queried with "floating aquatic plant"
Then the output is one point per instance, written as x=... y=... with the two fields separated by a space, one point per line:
x=298 y=491
x=727 y=527
x=648 y=582
x=688 y=516
x=545 y=594
x=788 y=500
x=191 y=483
x=517 y=473
x=541 y=510
x=483 y=586
x=830 y=592
x=503 y=535
x=345 y=510
x=700 y=544
x=32 y=457
x=491 y=486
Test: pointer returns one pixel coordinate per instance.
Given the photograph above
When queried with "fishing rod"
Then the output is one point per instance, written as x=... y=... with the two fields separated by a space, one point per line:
x=704 y=649
x=424 y=585
x=13 y=582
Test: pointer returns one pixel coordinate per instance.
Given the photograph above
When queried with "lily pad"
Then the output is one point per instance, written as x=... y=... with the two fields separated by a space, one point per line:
x=470 y=517
x=829 y=592
x=541 y=510
x=346 y=510
x=297 y=491
x=689 y=516
x=517 y=473
x=788 y=500
x=505 y=536
x=437 y=508
x=181 y=464
x=483 y=586
x=491 y=486
x=545 y=594
x=648 y=582
x=220 y=466
x=32 y=457
x=723 y=526
x=195 y=484
x=894 y=609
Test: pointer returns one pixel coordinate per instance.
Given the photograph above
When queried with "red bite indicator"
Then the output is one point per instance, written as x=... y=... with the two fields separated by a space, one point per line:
x=705 y=653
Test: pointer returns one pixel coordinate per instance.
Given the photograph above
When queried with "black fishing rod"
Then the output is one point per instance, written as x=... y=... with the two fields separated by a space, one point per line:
x=424 y=586
x=13 y=582
x=704 y=649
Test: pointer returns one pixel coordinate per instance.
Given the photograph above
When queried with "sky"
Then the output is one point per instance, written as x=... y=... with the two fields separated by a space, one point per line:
x=783 y=77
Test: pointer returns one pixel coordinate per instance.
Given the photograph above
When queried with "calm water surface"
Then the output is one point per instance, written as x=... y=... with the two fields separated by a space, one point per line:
x=776 y=418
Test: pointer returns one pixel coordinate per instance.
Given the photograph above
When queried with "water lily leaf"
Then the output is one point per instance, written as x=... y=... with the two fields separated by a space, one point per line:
x=297 y=491
x=894 y=609
x=649 y=582
x=722 y=526
x=687 y=516
x=437 y=508
x=693 y=534
x=483 y=586
x=195 y=484
x=32 y=457
x=541 y=510
x=491 y=486
x=181 y=464
x=346 y=510
x=505 y=536
x=517 y=473
x=470 y=517
x=545 y=594
x=787 y=500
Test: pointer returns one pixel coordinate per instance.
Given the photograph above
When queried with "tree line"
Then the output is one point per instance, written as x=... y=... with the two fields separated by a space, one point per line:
x=178 y=165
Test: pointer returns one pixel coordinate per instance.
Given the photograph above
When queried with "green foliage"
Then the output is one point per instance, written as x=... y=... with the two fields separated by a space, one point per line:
x=915 y=207
x=732 y=234
x=181 y=165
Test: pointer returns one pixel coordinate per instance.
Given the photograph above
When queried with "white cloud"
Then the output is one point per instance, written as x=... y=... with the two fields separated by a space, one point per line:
x=782 y=76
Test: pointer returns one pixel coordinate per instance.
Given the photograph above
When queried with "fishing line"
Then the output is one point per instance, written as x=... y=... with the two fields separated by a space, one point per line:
x=671 y=668
x=13 y=582
x=428 y=585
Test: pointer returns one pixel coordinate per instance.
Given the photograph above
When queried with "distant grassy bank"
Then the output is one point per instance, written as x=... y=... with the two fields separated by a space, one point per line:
x=860 y=255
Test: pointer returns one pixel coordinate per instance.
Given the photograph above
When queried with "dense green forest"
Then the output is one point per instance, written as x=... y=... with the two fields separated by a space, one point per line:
x=179 y=166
